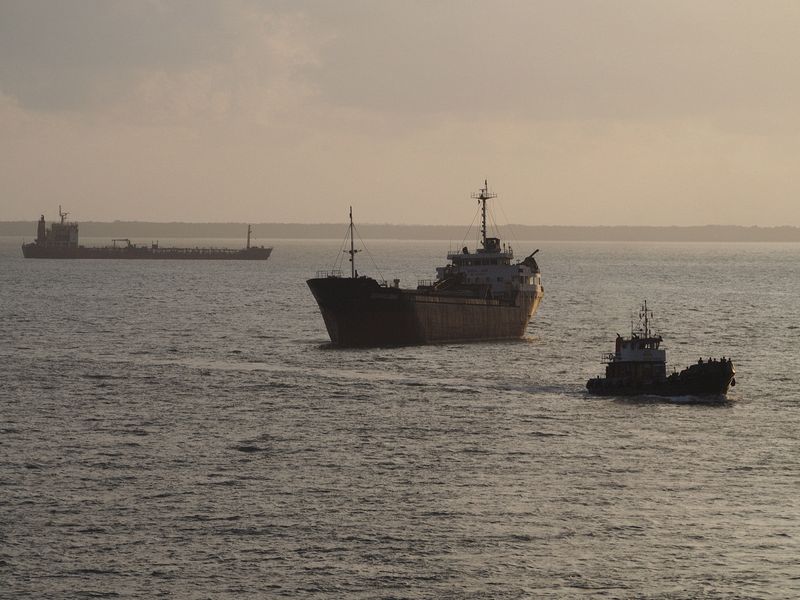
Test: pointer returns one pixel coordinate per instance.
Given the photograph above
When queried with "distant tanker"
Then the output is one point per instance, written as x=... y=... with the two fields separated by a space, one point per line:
x=61 y=241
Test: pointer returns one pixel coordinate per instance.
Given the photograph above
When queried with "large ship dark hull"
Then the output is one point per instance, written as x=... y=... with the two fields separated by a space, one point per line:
x=34 y=250
x=706 y=379
x=360 y=312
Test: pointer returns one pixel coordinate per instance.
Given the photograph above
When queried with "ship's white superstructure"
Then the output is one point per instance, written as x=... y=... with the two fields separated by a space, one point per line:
x=640 y=350
x=491 y=265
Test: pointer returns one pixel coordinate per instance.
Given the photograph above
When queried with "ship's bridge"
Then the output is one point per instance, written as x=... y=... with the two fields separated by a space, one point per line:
x=470 y=259
x=639 y=349
x=493 y=269
x=490 y=265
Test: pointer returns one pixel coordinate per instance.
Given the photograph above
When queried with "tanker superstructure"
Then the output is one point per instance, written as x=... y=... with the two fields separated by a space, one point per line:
x=478 y=296
x=60 y=240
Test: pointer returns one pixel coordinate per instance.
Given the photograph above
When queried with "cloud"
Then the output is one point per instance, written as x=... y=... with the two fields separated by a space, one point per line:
x=408 y=60
x=551 y=60
x=153 y=60
x=62 y=55
x=598 y=112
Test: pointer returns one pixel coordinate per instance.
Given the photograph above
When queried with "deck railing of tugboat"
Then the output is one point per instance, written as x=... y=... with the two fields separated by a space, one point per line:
x=326 y=274
x=425 y=282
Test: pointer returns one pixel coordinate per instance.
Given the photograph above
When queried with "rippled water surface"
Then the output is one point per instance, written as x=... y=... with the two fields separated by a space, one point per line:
x=179 y=429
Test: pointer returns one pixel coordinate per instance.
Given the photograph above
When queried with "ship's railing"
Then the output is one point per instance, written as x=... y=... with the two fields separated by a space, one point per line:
x=395 y=283
x=425 y=282
x=189 y=251
x=608 y=357
x=331 y=273
x=453 y=254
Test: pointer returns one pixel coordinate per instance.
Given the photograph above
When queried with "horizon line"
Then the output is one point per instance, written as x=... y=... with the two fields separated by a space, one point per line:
x=387 y=224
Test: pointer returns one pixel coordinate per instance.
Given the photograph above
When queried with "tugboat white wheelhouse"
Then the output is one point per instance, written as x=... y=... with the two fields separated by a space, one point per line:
x=478 y=296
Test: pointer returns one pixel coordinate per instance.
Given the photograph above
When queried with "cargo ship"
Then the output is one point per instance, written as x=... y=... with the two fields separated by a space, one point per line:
x=637 y=367
x=478 y=296
x=60 y=240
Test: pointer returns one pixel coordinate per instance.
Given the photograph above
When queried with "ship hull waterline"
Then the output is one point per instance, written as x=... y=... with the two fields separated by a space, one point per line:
x=144 y=253
x=360 y=313
x=715 y=385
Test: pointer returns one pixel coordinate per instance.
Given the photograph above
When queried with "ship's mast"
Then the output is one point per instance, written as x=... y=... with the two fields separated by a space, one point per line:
x=63 y=215
x=248 y=237
x=352 y=251
x=646 y=320
x=483 y=196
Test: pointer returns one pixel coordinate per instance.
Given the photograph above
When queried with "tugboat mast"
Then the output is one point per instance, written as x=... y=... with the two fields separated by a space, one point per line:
x=63 y=215
x=644 y=313
x=483 y=196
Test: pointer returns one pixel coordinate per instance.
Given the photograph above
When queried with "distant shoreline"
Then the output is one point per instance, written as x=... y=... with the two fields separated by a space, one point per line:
x=455 y=233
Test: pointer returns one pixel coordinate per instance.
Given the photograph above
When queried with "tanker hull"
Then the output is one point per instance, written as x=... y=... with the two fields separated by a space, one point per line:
x=34 y=250
x=360 y=312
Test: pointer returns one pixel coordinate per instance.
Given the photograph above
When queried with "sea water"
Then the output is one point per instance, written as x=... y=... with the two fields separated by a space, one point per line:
x=183 y=430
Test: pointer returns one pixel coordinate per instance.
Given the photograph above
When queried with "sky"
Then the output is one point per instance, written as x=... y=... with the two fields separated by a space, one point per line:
x=580 y=112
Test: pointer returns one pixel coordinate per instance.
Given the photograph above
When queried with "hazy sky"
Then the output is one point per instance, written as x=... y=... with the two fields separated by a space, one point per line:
x=578 y=112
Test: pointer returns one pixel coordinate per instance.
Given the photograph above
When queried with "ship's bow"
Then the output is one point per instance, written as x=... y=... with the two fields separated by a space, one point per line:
x=359 y=312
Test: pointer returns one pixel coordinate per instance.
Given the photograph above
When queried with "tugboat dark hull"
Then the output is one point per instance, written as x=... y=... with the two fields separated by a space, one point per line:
x=358 y=312
x=34 y=250
x=707 y=379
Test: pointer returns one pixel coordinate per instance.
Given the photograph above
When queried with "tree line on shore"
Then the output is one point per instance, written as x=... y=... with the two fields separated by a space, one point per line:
x=455 y=233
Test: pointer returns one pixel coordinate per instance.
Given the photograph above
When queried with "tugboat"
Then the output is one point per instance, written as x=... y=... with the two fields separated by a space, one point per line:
x=638 y=367
x=478 y=296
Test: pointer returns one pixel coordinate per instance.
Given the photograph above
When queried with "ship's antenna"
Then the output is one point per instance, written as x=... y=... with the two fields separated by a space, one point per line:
x=483 y=196
x=248 y=237
x=646 y=321
x=352 y=251
x=63 y=215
